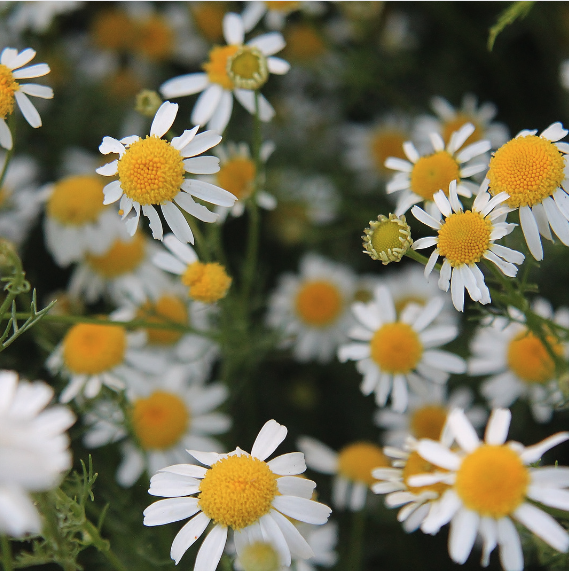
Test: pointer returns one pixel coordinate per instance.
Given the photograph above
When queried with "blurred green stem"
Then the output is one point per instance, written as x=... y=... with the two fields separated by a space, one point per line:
x=354 y=562
x=10 y=153
x=6 y=554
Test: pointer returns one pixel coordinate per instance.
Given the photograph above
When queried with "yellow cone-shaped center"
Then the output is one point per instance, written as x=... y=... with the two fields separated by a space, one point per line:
x=318 y=303
x=168 y=308
x=208 y=283
x=76 y=200
x=216 y=67
x=121 y=258
x=237 y=176
x=357 y=460
x=386 y=143
x=433 y=173
x=428 y=422
x=396 y=348
x=8 y=86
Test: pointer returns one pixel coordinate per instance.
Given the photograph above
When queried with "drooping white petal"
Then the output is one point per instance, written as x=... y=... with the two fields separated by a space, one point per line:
x=177 y=222
x=28 y=110
x=211 y=549
x=463 y=530
x=457 y=290
x=533 y=453
x=112 y=192
x=511 y=554
x=222 y=114
x=558 y=222
x=6 y=141
x=154 y=220
x=180 y=250
x=247 y=98
x=206 y=104
x=185 y=201
x=531 y=232
x=425 y=218
x=297 y=544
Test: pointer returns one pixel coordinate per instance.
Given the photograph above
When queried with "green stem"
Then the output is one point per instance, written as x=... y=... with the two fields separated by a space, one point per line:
x=200 y=242
x=354 y=562
x=414 y=255
x=6 y=553
x=10 y=153
x=103 y=547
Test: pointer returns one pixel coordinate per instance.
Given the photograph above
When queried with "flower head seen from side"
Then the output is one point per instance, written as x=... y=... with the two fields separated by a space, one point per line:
x=531 y=169
x=240 y=491
x=387 y=239
x=233 y=70
x=518 y=363
x=351 y=467
x=151 y=173
x=490 y=486
x=420 y=177
x=395 y=353
x=464 y=238
x=11 y=90
x=207 y=282
x=33 y=447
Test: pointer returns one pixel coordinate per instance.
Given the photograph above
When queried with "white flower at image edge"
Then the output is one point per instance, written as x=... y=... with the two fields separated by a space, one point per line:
x=269 y=493
x=151 y=172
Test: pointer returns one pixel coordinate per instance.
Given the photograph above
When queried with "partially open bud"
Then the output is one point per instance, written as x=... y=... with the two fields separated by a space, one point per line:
x=260 y=556
x=147 y=102
x=387 y=239
x=247 y=68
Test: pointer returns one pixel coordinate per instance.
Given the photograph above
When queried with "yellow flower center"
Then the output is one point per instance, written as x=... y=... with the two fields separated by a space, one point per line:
x=433 y=173
x=529 y=360
x=247 y=68
x=113 y=30
x=416 y=465
x=387 y=235
x=237 y=176
x=76 y=200
x=454 y=124
x=207 y=282
x=318 y=303
x=160 y=420
x=168 y=308
x=428 y=422
x=121 y=258
x=8 y=86
x=91 y=348
x=216 y=67
x=492 y=481
x=396 y=348
x=528 y=168
x=154 y=38
x=303 y=43
x=464 y=237
x=282 y=5
x=151 y=171
x=260 y=556
x=208 y=17
x=236 y=491
x=386 y=143
x=402 y=302
x=357 y=460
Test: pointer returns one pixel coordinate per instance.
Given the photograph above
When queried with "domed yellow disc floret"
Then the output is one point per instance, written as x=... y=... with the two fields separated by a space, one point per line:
x=416 y=465
x=454 y=124
x=92 y=348
x=167 y=308
x=260 y=556
x=318 y=303
x=151 y=171
x=464 y=237
x=528 y=168
x=247 y=68
x=433 y=173
x=121 y=258
x=237 y=176
x=428 y=422
x=76 y=200
x=8 y=86
x=236 y=491
x=387 y=239
x=207 y=282
x=385 y=143
x=160 y=420
x=396 y=348
x=357 y=460
x=529 y=360
x=216 y=67
x=492 y=481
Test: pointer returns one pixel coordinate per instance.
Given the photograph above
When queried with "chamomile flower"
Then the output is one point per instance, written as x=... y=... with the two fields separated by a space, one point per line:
x=449 y=119
x=11 y=90
x=234 y=70
x=34 y=450
x=351 y=467
x=426 y=415
x=151 y=172
x=123 y=271
x=491 y=486
x=395 y=353
x=420 y=177
x=93 y=355
x=463 y=238
x=311 y=310
x=530 y=168
x=267 y=492
x=207 y=282
x=518 y=362
x=167 y=415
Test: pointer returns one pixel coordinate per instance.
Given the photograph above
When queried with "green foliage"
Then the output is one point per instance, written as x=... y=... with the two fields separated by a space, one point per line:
x=507 y=17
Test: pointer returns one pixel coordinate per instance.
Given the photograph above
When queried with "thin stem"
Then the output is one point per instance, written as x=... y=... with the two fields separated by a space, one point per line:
x=201 y=243
x=6 y=553
x=354 y=562
x=414 y=255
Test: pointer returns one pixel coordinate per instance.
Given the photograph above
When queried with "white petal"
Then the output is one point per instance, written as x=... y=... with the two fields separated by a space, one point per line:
x=552 y=497
x=531 y=232
x=441 y=512
x=269 y=437
x=31 y=71
x=533 y=453
x=163 y=119
x=302 y=509
x=247 y=99
x=24 y=57
x=154 y=221
x=170 y=510
x=199 y=211
x=558 y=222
x=437 y=454
x=37 y=90
x=463 y=530
x=185 y=138
x=177 y=222
x=109 y=169
x=551 y=476
x=297 y=544
x=233 y=30
x=293 y=486
x=554 y=132
x=498 y=426
x=508 y=254
x=463 y=430
x=431 y=263
x=511 y=554
x=206 y=104
x=5 y=135
x=28 y=110
x=111 y=145
x=398 y=164
x=222 y=114
x=277 y=65
x=209 y=192
x=181 y=251
x=428 y=314
x=268 y=44
x=457 y=290
x=184 y=85
x=112 y=192
x=211 y=549
x=442 y=203
x=318 y=456
x=425 y=218
x=288 y=464
x=201 y=143
x=202 y=165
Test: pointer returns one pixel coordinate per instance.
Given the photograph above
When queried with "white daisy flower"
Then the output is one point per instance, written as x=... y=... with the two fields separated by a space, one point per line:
x=351 y=467
x=490 y=483
x=260 y=506
x=93 y=355
x=167 y=416
x=427 y=413
x=397 y=353
x=11 y=71
x=312 y=309
x=38 y=17
x=449 y=119
x=124 y=271
x=151 y=172
x=518 y=362
x=531 y=169
x=33 y=448
x=236 y=69
x=421 y=177
x=464 y=238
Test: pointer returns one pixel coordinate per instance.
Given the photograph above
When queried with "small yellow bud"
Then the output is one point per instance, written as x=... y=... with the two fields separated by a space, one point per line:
x=387 y=239
x=247 y=68
x=208 y=283
x=147 y=102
